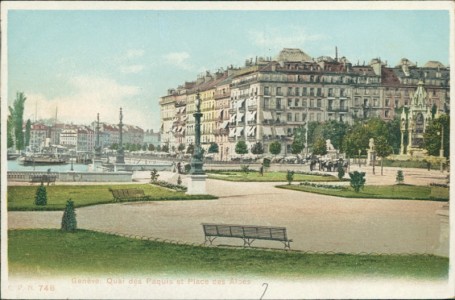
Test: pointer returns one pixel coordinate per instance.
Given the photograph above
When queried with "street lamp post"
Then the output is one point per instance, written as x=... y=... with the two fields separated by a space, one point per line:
x=196 y=182
x=441 y=150
x=196 y=159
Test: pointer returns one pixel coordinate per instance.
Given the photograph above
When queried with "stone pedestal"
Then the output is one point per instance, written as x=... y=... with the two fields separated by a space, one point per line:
x=443 y=248
x=196 y=185
x=97 y=164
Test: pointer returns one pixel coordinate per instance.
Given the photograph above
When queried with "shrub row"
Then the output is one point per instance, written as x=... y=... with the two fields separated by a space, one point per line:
x=175 y=187
x=316 y=185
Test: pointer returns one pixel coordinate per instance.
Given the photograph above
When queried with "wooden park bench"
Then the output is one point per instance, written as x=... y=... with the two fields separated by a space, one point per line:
x=248 y=233
x=43 y=178
x=128 y=194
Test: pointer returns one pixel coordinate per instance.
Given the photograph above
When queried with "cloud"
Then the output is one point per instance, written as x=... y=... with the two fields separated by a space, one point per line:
x=132 y=69
x=178 y=59
x=88 y=96
x=134 y=53
x=272 y=38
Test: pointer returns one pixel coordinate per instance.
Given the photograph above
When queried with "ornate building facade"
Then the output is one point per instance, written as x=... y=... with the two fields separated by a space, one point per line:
x=268 y=99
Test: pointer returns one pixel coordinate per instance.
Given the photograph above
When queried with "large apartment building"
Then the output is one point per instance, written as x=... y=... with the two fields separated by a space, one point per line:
x=268 y=99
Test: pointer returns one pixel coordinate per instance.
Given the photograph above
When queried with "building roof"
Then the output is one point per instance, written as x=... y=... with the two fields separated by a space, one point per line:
x=293 y=54
x=405 y=62
x=434 y=64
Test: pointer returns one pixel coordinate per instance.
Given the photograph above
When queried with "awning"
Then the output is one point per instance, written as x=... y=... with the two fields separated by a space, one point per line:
x=280 y=131
x=232 y=119
x=267 y=130
x=239 y=132
x=240 y=117
x=223 y=125
x=267 y=115
x=251 y=116
x=251 y=131
x=232 y=133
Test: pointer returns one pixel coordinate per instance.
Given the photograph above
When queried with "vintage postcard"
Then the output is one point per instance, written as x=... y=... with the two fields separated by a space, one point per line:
x=226 y=150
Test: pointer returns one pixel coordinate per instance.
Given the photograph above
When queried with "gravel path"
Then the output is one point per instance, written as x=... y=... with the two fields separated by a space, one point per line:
x=314 y=222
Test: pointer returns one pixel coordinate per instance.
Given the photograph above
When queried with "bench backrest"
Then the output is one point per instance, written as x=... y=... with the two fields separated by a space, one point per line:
x=127 y=193
x=250 y=231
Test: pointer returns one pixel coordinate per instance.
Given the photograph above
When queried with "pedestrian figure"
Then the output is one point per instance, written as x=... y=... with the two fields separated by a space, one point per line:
x=178 y=168
x=261 y=170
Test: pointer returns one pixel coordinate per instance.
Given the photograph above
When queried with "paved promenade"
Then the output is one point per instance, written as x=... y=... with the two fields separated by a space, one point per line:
x=314 y=222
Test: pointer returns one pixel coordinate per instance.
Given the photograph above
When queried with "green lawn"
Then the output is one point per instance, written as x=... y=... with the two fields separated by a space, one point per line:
x=52 y=252
x=23 y=197
x=254 y=176
x=400 y=191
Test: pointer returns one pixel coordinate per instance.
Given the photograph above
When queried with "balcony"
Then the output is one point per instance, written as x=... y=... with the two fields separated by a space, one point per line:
x=232 y=111
x=251 y=122
x=337 y=109
x=252 y=107
x=222 y=95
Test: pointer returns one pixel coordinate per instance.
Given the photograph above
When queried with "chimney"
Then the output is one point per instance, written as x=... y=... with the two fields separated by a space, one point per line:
x=336 y=53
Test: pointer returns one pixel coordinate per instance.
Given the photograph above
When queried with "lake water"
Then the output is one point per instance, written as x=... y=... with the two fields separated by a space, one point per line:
x=13 y=165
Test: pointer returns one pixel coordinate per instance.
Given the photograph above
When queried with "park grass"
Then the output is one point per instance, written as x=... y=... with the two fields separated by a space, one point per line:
x=399 y=191
x=48 y=252
x=22 y=198
x=254 y=176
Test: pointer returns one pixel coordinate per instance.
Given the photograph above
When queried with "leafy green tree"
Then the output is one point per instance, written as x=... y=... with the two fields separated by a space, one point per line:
x=213 y=148
x=257 y=148
x=165 y=148
x=275 y=148
x=394 y=134
x=28 y=128
x=69 y=222
x=158 y=148
x=383 y=149
x=334 y=131
x=173 y=148
x=181 y=147
x=179 y=180
x=154 y=176
x=357 y=180
x=320 y=147
x=17 y=113
x=432 y=136
x=10 y=131
x=341 y=171
x=151 y=147
x=313 y=132
x=400 y=177
x=434 y=110
x=114 y=146
x=41 y=195
x=241 y=148
x=298 y=144
x=289 y=177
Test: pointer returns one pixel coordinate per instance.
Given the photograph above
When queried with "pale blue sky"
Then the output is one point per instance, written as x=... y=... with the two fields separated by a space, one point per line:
x=86 y=62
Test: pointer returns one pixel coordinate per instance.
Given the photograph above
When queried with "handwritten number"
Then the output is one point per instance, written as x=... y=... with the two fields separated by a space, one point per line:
x=265 y=290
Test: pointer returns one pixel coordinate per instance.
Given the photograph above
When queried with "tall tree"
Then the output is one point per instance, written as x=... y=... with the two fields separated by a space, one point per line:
x=10 y=130
x=383 y=149
x=28 y=128
x=432 y=136
x=320 y=147
x=17 y=112
x=298 y=144
x=181 y=147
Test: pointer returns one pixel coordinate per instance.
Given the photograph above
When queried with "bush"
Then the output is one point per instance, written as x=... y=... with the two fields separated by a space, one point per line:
x=341 y=172
x=357 y=180
x=266 y=163
x=245 y=168
x=179 y=181
x=290 y=177
x=400 y=177
x=41 y=195
x=154 y=175
x=187 y=168
x=69 y=222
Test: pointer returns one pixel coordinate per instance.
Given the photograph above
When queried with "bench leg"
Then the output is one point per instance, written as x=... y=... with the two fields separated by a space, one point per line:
x=209 y=239
x=287 y=245
x=247 y=242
